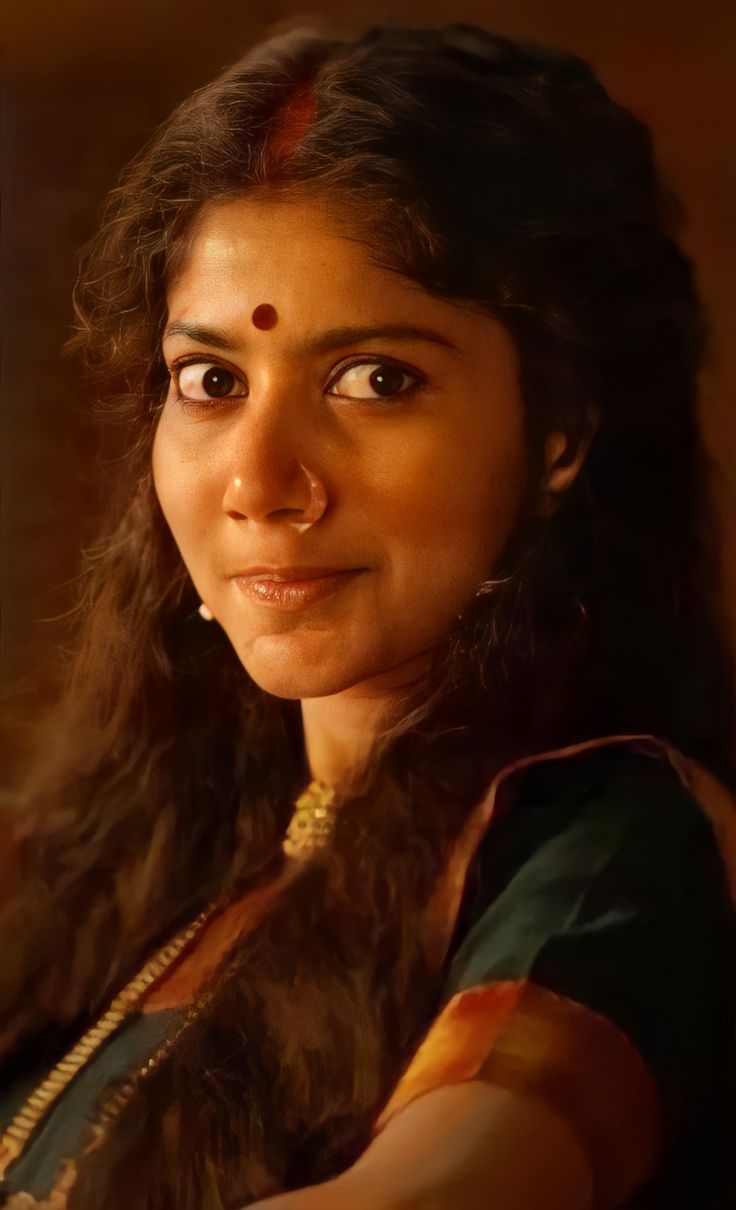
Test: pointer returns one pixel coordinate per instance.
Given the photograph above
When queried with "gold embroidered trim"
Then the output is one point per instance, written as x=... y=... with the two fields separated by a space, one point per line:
x=41 y=1100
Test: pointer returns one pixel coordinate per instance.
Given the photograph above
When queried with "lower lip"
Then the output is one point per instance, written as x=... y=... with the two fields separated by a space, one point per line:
x=292 y=595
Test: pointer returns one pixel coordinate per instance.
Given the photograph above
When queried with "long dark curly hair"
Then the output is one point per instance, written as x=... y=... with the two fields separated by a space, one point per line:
x=492 y=172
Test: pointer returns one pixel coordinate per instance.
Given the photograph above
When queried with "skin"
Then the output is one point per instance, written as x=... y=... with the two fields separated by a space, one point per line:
x=422 y=489
x=458 y=1148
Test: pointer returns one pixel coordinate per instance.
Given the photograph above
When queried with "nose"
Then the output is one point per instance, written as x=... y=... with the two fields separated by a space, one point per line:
x=272 y=468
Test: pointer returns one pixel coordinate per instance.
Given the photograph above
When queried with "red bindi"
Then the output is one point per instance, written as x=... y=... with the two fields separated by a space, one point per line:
x=265 y=317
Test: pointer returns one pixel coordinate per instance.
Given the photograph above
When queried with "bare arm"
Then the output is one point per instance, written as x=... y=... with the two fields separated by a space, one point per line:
x=471 y=1145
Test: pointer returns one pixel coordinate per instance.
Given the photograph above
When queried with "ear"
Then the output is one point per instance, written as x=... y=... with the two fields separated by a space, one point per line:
x=563 y=459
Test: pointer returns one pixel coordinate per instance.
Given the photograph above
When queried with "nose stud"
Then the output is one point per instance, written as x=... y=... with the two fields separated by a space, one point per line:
x=317 y=503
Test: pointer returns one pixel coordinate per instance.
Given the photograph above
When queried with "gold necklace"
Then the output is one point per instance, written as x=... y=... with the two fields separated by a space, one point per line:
x=309 y=829
x=311 y=822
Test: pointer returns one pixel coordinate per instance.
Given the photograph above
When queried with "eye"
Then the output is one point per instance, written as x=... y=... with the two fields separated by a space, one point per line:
x=373 y=380
x=201 y=381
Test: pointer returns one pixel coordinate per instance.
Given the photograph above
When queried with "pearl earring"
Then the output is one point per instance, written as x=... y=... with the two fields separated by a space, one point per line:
x=206 y=613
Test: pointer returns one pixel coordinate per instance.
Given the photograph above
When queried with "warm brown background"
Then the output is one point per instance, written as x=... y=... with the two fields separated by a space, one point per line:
x=86 y=81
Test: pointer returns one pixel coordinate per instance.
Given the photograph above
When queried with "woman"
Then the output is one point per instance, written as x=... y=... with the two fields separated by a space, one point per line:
x=408 y=536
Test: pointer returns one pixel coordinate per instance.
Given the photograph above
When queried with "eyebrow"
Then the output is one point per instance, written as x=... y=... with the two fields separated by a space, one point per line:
x=336 y=338
x=201 y=335
x=323 y=342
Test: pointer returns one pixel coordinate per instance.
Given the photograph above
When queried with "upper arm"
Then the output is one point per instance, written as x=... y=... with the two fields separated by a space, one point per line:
x=470 y=1145
x=463 y=1145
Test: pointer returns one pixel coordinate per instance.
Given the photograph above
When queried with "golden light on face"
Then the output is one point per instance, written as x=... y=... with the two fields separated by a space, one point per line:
x=373 y=433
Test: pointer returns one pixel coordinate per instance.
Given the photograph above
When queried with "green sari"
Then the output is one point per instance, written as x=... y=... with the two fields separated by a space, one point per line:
x=586 y=939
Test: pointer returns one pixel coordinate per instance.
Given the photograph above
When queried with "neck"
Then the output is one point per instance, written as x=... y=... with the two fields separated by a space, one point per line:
x=340 y=729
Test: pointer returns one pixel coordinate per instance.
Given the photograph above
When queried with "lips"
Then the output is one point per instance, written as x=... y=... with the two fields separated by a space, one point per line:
x=289 y=573
x=293 y=588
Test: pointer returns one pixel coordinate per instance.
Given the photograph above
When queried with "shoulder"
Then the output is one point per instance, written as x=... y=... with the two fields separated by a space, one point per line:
x=592 y=968
x=601 y=883
x=584 y=822
x=594 y=962
x=608 y=847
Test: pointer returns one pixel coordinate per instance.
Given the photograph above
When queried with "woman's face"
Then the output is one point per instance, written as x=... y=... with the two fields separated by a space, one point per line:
x=389 y=419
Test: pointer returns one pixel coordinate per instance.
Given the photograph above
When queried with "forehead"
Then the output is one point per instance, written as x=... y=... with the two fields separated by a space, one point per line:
x=291 y=247
x=300 y=258
x=282 y=253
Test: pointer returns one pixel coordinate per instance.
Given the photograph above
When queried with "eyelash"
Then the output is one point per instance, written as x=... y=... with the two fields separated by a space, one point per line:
x=204 y=406
x=199 y=405
x=417 y=384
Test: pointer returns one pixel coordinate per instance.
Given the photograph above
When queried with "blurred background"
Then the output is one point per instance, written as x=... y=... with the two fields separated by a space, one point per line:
x=85 y=85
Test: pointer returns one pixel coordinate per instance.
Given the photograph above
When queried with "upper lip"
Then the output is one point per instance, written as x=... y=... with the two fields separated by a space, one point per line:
x=288 y=573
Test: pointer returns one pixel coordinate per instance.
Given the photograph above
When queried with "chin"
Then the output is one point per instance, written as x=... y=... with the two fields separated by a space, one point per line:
x=284 y=672
x=295 y=684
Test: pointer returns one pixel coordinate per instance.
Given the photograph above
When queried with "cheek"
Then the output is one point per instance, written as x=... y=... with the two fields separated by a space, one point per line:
x=183 y=491
x=165 y=478
x=454 y=503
